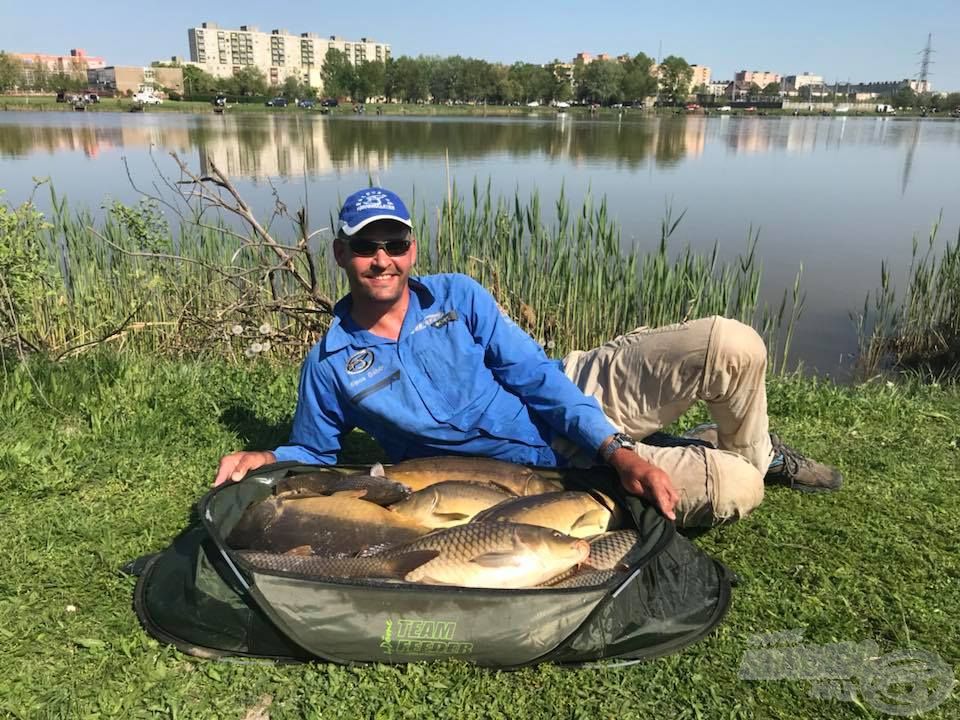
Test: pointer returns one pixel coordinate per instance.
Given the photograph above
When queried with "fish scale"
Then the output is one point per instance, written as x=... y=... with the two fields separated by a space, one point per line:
x=612 y=550
x=506 y=555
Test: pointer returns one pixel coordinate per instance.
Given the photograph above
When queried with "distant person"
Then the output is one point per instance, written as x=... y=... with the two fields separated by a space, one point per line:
x=432 y=366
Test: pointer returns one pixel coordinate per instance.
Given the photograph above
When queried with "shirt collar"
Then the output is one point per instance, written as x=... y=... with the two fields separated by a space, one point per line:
x=344 y=331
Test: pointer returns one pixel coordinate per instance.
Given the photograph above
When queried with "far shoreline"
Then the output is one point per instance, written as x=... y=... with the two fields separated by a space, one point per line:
x=34 y=103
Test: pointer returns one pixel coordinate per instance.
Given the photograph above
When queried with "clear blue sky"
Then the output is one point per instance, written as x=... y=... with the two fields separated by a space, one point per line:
x=859 y=40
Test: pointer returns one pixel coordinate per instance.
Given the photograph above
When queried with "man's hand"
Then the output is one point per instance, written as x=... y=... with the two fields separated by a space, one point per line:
x=235 y=465
x=639 y=477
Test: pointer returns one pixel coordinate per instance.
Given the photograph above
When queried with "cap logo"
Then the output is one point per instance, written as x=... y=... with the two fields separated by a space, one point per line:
x=374 y=200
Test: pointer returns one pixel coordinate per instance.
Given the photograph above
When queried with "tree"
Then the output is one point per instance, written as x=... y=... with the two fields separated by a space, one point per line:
x=675 y=77
x=561 y=89
x=196 y=81
x=602 y=80
x=771 y=89
x=249 y=80
x=904 y=97
x=407 y=79
x=368 y=81
x=337 y=74
x=638 y=81
x=753 y=89
x=10 y=71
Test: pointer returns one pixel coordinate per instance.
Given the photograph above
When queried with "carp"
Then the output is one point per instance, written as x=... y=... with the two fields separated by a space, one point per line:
x=477 y=555
x=516 y=479
x=330 y=525
x=574 y=513
x=450 y=503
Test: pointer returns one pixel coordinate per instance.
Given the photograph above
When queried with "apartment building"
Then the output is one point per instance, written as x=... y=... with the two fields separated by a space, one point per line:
x=761 y=78
x=793 y=83
x=278 y=54
x=701 y=76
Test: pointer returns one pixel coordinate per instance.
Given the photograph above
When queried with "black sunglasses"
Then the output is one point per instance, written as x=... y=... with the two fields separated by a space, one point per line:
x=363 y=247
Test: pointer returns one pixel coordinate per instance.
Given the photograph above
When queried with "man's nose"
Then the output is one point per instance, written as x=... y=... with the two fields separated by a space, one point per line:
x=381 y=258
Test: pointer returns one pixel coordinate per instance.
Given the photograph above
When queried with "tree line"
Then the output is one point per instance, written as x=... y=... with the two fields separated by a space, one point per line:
x=454 y=79
x=466 y=80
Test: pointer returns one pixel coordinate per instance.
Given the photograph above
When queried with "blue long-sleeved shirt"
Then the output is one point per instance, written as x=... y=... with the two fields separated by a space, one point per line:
x=461 y=379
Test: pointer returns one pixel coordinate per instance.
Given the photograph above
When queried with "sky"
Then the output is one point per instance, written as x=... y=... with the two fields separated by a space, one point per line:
x=855 y=40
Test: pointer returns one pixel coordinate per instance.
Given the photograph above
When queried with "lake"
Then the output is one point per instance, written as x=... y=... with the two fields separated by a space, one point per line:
x=836 y=195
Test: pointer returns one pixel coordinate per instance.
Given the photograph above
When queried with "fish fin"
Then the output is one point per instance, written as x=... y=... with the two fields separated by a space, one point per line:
x=300 y=550
x=451 y=517
x=377 y=470
x=494 y=559
x=592 y=519
x=354 y=493
x=405 y=563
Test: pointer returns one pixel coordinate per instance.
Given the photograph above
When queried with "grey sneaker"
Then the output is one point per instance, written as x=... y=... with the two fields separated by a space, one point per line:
x=799 y=472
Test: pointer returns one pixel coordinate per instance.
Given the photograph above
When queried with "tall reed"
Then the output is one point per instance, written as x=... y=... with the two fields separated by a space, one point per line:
x=567 y=280
x=923 y=331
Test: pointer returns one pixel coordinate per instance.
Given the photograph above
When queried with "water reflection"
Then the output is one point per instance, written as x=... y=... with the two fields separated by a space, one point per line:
x=259 y=147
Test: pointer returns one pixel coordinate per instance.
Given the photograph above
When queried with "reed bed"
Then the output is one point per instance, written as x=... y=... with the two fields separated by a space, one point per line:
x=921 y=333
x=133 y=279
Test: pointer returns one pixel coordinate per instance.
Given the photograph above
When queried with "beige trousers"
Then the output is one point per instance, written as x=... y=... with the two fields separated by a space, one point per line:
x=646 y=379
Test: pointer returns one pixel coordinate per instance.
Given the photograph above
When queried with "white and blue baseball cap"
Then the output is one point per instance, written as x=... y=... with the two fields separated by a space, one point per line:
x=369 y=205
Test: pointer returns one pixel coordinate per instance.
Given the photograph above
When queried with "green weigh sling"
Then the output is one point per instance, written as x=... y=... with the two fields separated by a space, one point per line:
x=199 y=596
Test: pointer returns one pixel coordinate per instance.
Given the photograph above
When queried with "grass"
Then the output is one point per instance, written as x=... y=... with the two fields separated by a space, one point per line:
x=102 y=457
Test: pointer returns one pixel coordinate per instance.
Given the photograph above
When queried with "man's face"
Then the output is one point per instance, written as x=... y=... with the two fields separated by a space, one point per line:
x=381 y=277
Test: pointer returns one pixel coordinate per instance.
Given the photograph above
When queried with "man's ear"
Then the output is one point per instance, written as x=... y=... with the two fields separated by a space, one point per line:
x=413 y=249
x=340 y=252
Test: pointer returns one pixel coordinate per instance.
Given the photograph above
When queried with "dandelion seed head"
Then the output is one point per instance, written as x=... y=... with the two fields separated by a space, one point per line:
x=237 y=330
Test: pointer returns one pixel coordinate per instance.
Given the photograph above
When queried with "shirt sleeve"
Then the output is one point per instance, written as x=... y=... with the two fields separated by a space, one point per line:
x=521 y=366
x=318 y=422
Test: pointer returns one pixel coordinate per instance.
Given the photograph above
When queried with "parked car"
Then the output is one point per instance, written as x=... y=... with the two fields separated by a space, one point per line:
x=91 y=98
x=276 y=102
x=724 y=108
x=61 y=96
x=307 y=103
x=145 y=97
x=329 y=102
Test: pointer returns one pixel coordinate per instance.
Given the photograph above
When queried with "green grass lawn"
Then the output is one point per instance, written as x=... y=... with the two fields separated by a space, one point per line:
x=102 y=458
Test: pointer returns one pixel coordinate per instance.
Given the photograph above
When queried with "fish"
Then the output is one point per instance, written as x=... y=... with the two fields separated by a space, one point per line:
x=517 y=479
x=331 y=525
x=476 y=555
x=573 y=513
x=450 y=503
x=582 y=578
x=613 y=550
x=373 y=488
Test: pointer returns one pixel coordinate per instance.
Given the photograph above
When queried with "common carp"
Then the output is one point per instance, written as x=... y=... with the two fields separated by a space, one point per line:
x=487 y=555
x=334 y=526
x=574 y=513
x=582 y=578
x=450 y=503
x=517 y=479
x=613 y=550
x=373 y=488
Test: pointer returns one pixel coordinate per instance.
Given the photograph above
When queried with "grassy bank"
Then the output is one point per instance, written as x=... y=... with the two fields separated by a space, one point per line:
x=103 y=456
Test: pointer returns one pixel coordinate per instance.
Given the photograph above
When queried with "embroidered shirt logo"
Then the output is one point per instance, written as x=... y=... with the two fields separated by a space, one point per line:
x=374 y=200
x=360 y=361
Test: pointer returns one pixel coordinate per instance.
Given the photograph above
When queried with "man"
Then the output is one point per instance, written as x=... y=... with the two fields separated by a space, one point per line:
x=431 y=366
